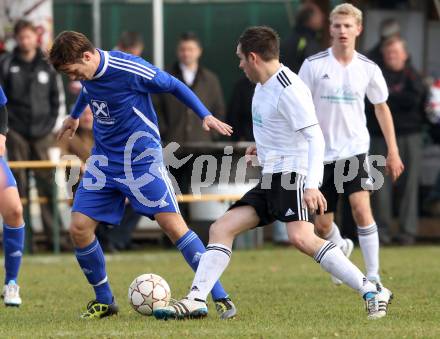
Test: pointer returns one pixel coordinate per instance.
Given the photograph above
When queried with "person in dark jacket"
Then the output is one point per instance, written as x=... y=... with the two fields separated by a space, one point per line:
x=303 y=41
x=177 y=122
x=406 y=100
x=33 y=90
x=389 y=28
x=239 y=114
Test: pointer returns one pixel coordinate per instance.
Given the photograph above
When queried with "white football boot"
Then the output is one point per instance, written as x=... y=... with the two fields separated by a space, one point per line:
x=347 y=250
x=385 y=297
x=183 y=309
x=11 y=294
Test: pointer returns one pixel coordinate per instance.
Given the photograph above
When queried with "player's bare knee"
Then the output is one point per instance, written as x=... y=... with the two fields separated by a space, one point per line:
x=14 y=216
x=173 y=229
x=322 y=229
x=298 y=241
x=361 y=215
x=78 y=233
x=218 y=231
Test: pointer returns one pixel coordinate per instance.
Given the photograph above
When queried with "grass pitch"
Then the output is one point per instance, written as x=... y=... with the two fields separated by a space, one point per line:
x=279 y=293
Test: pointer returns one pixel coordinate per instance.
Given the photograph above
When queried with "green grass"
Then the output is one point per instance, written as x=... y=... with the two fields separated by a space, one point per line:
x=279 y=293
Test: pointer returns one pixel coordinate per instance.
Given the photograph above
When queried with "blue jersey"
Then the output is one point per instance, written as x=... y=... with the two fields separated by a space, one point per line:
x=3 y=99
x=124 y=117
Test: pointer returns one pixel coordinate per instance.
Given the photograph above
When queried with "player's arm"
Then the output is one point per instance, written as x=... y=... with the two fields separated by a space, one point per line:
x=3 y=129
x=3 y=122
x=71 y=122
x=312 y=196
x=394 y=165
x=296 y=105
x=163 y=82
x=187 y=96
x=377 y=93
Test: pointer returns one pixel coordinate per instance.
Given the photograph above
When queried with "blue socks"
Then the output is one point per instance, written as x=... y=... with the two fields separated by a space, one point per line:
x=92 y=262
x=192 y=249
x=13 y=243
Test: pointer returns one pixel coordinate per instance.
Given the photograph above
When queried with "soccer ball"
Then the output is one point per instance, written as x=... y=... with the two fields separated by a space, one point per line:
x=148 y=292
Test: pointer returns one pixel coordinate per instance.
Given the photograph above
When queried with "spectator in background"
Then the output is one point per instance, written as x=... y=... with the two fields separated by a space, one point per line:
x=131 y=43
x=33 y=89
x=178 y=122
x=407 y=96
x=389 y=28
x=304 y=39
x=432 y=202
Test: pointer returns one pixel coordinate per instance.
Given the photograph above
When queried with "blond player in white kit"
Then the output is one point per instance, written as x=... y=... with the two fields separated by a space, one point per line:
x=339 y=79
x=290 y=148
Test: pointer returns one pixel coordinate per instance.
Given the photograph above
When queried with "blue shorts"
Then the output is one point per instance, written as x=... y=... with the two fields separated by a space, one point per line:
x=101 y=196
x=6 y=174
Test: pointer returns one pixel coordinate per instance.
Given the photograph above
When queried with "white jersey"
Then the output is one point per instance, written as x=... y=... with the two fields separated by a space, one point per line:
x=338 y=94
x=281 y=107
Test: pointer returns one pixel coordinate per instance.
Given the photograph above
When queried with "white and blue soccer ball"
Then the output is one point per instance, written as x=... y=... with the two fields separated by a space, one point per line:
x=148 y=292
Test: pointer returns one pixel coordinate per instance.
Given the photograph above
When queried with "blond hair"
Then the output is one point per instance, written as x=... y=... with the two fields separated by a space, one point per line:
x=347 y=9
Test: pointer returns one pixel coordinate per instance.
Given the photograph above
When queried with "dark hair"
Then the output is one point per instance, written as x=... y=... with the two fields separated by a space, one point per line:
x=130 y=39
x=68 y=48
x=190 y=36
x=261 y=40
x=22 y=24
x=304 y=15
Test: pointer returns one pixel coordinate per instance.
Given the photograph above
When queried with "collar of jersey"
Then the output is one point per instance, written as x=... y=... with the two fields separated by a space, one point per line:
x=273 y=75
x=103 y=64
x=355 y=56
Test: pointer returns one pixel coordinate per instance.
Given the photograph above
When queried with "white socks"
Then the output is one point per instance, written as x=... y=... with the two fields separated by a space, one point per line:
x=211 y=266
x=369 y=243
x=332 y=260
x=335 y=236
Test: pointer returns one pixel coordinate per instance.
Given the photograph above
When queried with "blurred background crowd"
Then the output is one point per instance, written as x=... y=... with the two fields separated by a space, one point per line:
x=401 y=36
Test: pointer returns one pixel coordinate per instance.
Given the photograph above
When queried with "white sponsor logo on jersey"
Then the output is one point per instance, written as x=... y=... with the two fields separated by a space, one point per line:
x=101 y=112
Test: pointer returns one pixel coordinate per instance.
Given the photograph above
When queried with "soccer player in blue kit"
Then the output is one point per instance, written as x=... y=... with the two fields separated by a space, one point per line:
x=126 y=160
x=12 y=212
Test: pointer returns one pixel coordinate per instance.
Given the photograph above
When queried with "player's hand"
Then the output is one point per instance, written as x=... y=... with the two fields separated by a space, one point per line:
x=70 y=125
x=2 y=145
x=315 y=201
x=212 y=122
x=394 y=166
x=251 y=152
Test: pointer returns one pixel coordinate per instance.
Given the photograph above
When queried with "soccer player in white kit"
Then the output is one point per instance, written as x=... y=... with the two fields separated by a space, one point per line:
x=290 y=148
x=339 y=78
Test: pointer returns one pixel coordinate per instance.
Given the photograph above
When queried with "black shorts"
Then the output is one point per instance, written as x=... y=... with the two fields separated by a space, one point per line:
x=345 y=177
x=277 y=199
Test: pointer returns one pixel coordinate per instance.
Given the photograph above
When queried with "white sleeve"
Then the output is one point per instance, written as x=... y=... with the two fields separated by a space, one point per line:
x=306 y=75
x=315 y=139
x=377 y=90
x=296 y=105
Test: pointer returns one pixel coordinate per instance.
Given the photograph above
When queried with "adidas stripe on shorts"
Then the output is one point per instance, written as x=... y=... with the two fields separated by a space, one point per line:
x=277 y=196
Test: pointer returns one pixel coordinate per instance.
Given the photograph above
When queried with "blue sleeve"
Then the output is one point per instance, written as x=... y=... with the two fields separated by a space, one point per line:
x=163 y=82
x=3 y=99
x=79 y=107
